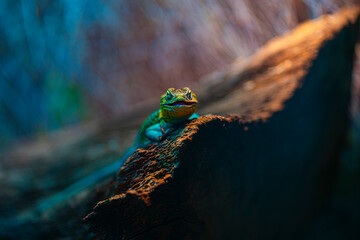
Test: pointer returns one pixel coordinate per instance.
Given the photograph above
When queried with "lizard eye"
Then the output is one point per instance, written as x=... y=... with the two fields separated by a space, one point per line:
x=188 y=95
x=168 y=95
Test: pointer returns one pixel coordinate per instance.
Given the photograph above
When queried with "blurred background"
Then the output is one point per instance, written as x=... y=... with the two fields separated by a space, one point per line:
x=71 y=63
x=66 y=62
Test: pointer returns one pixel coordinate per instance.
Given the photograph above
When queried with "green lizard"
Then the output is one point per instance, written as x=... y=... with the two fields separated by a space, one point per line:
x=176 y=106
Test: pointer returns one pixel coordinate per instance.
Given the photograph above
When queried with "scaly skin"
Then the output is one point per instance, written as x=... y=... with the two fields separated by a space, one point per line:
x=176 y=105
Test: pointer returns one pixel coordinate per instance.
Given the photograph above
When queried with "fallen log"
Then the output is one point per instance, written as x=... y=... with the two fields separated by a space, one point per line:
x=262 y=172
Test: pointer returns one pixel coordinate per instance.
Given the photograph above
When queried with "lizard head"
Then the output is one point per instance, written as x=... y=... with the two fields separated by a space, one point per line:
x=178 y=104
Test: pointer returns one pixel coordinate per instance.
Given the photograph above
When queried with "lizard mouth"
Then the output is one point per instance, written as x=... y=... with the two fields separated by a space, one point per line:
x=181 y=103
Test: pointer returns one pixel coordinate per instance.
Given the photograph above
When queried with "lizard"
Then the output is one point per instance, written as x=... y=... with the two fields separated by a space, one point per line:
x=176 y=106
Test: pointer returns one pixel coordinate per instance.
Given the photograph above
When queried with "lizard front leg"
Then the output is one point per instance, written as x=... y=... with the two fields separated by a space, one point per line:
x=163 y=129
x=157 y=132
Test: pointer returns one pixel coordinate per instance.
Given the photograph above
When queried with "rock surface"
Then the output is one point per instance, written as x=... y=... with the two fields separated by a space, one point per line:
x=262 y=172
